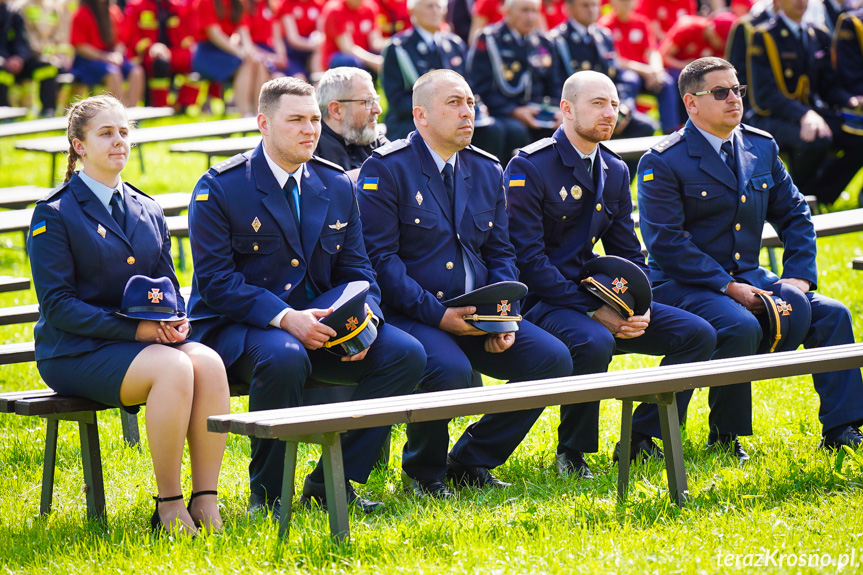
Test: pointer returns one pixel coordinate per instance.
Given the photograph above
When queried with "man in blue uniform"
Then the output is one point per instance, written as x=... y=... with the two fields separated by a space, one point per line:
x=566 y=193
x=271 y=230
x=793 y=87
x=420 y=49
x=440 y=230
x=848 y=40
x=512 y=67
x=737 y=46
x=704 y=194
x=582 y=45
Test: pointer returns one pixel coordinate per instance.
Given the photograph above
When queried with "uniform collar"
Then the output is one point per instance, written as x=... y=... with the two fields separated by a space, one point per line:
x=581 y=28
x=102 y=192
x=439 y=162
x=715 y=141
x=280 y=174
x=427 y=37
x=795 y=28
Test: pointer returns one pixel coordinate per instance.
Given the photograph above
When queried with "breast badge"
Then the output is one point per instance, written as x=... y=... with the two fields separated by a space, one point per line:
x=562 y=193
x=100 y=230
x=419 y=199
x=256 y=224
x=575 y=192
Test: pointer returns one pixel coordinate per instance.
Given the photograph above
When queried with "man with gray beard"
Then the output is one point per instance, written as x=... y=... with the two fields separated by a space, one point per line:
x=349 y=109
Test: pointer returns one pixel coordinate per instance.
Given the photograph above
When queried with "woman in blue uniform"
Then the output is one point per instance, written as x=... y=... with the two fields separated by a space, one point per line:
x=87 y=238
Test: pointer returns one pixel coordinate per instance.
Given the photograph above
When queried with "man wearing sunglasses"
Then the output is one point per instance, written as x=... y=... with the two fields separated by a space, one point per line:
x=704 y=194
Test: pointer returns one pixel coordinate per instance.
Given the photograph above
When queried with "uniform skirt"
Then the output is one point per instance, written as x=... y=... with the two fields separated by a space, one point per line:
x=92 y=72
x=95 y=375
x=213 y=63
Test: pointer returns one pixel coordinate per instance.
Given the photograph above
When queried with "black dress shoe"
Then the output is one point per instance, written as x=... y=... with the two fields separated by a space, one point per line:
x=314 y=492
x=572 y=464
x=728 y=443
x=837 y=438
x=641 y=448
x=434 y=488
x=259 y=506
x=470 y=476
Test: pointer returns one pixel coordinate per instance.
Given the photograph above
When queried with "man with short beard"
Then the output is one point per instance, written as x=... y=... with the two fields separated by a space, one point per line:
x=566 y=193
x=349 y=109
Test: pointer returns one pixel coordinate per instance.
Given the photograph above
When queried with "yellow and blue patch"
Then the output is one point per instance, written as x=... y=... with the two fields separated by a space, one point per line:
x=647 y=176
x=40 y=228
x=517 y=180
x=202 y=195
x=370 y=184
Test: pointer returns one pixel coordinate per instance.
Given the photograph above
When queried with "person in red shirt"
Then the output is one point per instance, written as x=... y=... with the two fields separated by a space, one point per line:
x=299 y=19
x=554 y=12
x=266 y=34
x=641 y=61
x=484 y=13
x=694 y=37
x=100 y=53
x=394 y=17
x=351 y=35
x=161 y=37
x=225 y=51
x=662 y=14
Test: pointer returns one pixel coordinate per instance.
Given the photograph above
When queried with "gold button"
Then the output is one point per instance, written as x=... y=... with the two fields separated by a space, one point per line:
x=458 y=236
x=737 y=256
x=255 y=247
x=295 y=263
x=416 y=221
x=439 y=295
x=598 y=207
x=491 y=224
x=731 y=273
x=130 y=260
x=449 y=265
x=737 y=227
x=764 y=185
x=288 y=286
x=564 y=217
x=743 y=199
x=703 y=194
x=593 y=240
x=338 y=247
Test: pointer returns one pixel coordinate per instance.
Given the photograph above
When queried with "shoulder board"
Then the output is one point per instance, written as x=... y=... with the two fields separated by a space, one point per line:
x=55 y=192
x=139 y=191
x=667 y=142
x=537 y=146
x=396 y=41
x=610 y=152
x=327 y=163
x=752 y=130
x=482 y=152
x=455 y=39
x=230 y=163
x=391 y=147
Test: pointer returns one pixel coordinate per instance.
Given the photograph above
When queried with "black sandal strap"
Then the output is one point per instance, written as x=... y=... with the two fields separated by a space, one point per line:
x=164 y=499
x=209 y=492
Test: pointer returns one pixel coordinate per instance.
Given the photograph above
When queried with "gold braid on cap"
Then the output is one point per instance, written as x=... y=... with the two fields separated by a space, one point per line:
x=610 y=294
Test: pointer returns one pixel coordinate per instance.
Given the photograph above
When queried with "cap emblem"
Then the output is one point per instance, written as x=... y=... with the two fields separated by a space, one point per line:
x=155 y=295
x=504 y=307
x=352 y=324
x=619 y=285
x=783 y=307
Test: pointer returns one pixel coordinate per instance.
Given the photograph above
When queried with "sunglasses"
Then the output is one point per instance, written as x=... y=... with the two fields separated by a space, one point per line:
x=721 y=94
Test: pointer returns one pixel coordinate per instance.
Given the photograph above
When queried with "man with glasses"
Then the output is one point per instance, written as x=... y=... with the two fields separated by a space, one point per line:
x=349 y=108
x=566 y=194
x=704 y=194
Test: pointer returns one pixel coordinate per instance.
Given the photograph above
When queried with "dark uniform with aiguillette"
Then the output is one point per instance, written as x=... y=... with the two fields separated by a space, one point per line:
x=508 y=71
x=791 y=73
x=257 y=255
x=702 y=224
x=848 y=40
x=559 y=209
x=429 y=243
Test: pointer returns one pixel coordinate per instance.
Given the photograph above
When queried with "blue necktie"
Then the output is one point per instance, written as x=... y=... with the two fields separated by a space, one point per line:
x=117 y=211
x=457 y=284
x=728 y=150
x=293 y=195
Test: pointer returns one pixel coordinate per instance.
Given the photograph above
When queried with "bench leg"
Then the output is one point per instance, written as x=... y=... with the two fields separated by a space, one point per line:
x=288 y=487
x=91 y=459
x=49 y=466
x=130 y=428
x=141 y=157
x=334 y=481
x=774 y=265
x=673 y=450
x=625 y=446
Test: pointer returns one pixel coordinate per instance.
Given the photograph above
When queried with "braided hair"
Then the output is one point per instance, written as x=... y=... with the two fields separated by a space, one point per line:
x=79 y=117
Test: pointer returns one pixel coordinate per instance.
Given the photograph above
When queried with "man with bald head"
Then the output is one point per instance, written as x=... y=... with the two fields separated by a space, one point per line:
x=567 y=193
x=440 y=231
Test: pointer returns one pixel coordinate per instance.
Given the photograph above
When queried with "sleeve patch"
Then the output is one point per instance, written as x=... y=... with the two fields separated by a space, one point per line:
x=203 y=195
x=517 y=180
x=370 y=184
x=40 y=228
x=647 y=176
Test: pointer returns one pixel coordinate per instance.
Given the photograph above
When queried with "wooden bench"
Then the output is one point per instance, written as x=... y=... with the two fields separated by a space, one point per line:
x=136 y=114
x=19 y=197
x=324 y=424
x=857 y=263
x=59 y=144
x=10 y=113
x=11 y=283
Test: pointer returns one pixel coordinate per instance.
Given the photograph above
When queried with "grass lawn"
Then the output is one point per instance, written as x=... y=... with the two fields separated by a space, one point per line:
x=797 y=505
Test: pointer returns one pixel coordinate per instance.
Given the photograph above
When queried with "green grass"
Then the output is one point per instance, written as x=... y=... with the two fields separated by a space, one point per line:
x=791 y=497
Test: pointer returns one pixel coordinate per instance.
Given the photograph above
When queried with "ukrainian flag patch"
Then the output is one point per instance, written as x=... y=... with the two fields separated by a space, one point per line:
x=40 y=228
x=202 y=195
x=517 y=181
x=370 y=184
x=647 y=176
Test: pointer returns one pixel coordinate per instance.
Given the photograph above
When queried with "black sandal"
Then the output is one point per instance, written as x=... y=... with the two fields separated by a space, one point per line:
x=198 y=523
x=155 y=521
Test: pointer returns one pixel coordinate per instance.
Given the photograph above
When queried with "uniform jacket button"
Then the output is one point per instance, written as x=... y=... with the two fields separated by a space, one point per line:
x=295 y=262
x=288 y=286
x=449 y=265
x=130 y=260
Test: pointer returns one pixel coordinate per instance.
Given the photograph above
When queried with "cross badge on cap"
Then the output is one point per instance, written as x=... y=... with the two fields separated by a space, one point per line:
x=504 y=307
x=352 y=324
x=155 y=295
x=619 y=285
x=784 y=307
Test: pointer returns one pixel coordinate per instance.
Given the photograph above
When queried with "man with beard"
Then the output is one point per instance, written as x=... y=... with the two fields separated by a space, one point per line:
x=349 y=109
x=566 y=193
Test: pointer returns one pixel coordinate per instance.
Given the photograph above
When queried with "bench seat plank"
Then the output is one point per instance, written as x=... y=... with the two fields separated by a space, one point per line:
x=11 y=283
x=137 y=113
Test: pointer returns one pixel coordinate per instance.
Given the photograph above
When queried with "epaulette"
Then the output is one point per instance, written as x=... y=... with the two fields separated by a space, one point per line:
x=139 y=191
x=537 y=146
x=482 y=152
x=396 y=40
x=749 y=128
x=393 y=146
x=54 y=192
x=667 y=142
x=230 y=163
x=327 y=163
x=610 y=151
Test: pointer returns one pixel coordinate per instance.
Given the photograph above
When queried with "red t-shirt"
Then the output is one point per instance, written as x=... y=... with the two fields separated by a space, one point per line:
x=85 y=29
x=338 y=19
x=394 y=17
x=261 y=23
x=666 y=12
x=688 y=35
x=632 y=39
x=305 y=14
x=205 y=10
x=142 y=26
x=488 y=9
x=555 y=13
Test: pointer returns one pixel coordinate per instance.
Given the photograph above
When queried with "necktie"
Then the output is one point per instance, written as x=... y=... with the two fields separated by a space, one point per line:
x=728 y=150
x=117 y=211
x=293 y=195
x=457 y=283
x=449 y=185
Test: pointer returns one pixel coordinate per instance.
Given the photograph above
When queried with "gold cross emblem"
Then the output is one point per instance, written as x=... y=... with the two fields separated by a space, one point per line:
x=155 y=295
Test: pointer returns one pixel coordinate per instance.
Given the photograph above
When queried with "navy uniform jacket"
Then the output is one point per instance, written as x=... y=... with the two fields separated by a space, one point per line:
x=737 y=45
x=406 y=58
x=576 y=54
x=558 y=215
x=80 y=274
x=788 y=78
x=848 y=54
x=410 y=235
x=702 y=226
x=507 y=73
x=251 y=261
